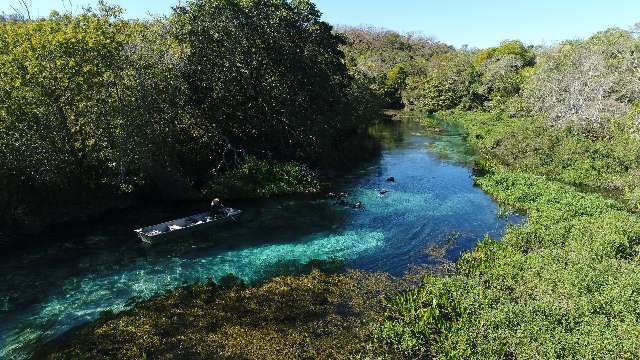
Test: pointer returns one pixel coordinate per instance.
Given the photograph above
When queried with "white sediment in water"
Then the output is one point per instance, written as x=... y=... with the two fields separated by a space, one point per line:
x=84 y=299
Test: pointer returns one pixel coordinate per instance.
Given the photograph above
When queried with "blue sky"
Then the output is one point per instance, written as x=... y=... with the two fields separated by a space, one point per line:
x=478 y=23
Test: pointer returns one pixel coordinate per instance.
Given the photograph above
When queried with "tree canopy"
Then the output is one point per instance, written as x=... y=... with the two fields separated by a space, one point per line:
x=95 y=108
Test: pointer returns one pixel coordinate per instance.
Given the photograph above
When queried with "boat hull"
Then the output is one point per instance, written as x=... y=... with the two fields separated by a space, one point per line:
x=178 y=228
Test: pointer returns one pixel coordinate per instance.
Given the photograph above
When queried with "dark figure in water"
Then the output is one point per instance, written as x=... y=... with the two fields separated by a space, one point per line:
x=217 y=209
x=342 y=202
x=391 y=179
x=383 y=191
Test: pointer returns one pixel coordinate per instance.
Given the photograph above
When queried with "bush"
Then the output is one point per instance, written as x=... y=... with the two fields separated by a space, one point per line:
x=608 y=165
x=264 y=178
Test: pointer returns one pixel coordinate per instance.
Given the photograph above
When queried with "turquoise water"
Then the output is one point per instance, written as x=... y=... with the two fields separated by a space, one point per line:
x=100 y=267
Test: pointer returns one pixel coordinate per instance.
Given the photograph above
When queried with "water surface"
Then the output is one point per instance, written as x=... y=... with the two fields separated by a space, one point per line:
x=92 y=268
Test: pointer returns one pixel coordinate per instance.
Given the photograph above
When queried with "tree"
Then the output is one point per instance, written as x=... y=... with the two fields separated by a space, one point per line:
x=385 y=58
x=587 y=83
x=95 y=109
x=62 y=111
x=266 y=74
x=444 y=82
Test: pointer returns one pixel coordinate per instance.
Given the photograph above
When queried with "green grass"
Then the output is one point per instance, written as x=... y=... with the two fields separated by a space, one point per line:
x=565 y=284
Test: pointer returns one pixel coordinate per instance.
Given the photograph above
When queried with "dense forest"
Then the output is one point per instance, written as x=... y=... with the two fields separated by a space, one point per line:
x=99 y=112
x=259 y=97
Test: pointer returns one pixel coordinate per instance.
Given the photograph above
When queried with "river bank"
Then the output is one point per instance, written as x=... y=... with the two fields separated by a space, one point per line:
x=564 y=284
x=432 y=214
x=317 y=316
x=253 y=180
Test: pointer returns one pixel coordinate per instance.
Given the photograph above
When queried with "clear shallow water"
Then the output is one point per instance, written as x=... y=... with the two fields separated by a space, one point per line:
x=100 y=267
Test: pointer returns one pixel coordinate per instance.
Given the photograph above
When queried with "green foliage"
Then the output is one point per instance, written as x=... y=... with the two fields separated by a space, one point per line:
x=266 y=74
x=608 y=165
x=71 y=123
x=504 y=70
x=96 y=110
x=384 y=59
x=507 y=48
x=563 y=285
x=264 y=178
x=488 y=79
x=420 y=316
x=93 y=107
x=394 y=83
x=444 y=82
x=396 y=77
x=586 y=84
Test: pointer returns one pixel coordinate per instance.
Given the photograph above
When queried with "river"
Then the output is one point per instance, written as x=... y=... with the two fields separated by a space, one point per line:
x=91 y=268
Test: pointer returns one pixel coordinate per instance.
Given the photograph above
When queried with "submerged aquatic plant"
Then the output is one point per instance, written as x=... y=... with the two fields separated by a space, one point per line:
x=312 y=316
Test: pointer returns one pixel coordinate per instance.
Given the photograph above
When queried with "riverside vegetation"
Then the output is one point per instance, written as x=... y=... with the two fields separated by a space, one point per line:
x=557 y=131
x=98 y=112
x=552 y=126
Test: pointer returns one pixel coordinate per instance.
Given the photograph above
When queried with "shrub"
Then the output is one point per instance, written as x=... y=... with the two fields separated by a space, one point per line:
x=563 y=285
x=264 y=178
x=609 y=165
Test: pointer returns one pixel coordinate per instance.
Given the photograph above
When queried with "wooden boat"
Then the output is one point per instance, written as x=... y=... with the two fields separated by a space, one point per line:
x=175 y=228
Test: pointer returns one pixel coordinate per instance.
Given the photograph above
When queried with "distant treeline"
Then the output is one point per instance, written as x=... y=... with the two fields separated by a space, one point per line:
x=585 y=84
x=385 y=59
x=570 y=111
x=96 y=109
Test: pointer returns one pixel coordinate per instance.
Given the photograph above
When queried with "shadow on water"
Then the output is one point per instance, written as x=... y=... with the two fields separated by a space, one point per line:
x=85 y=270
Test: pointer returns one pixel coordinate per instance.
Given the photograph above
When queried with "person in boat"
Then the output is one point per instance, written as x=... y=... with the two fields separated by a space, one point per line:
x=217 y=209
